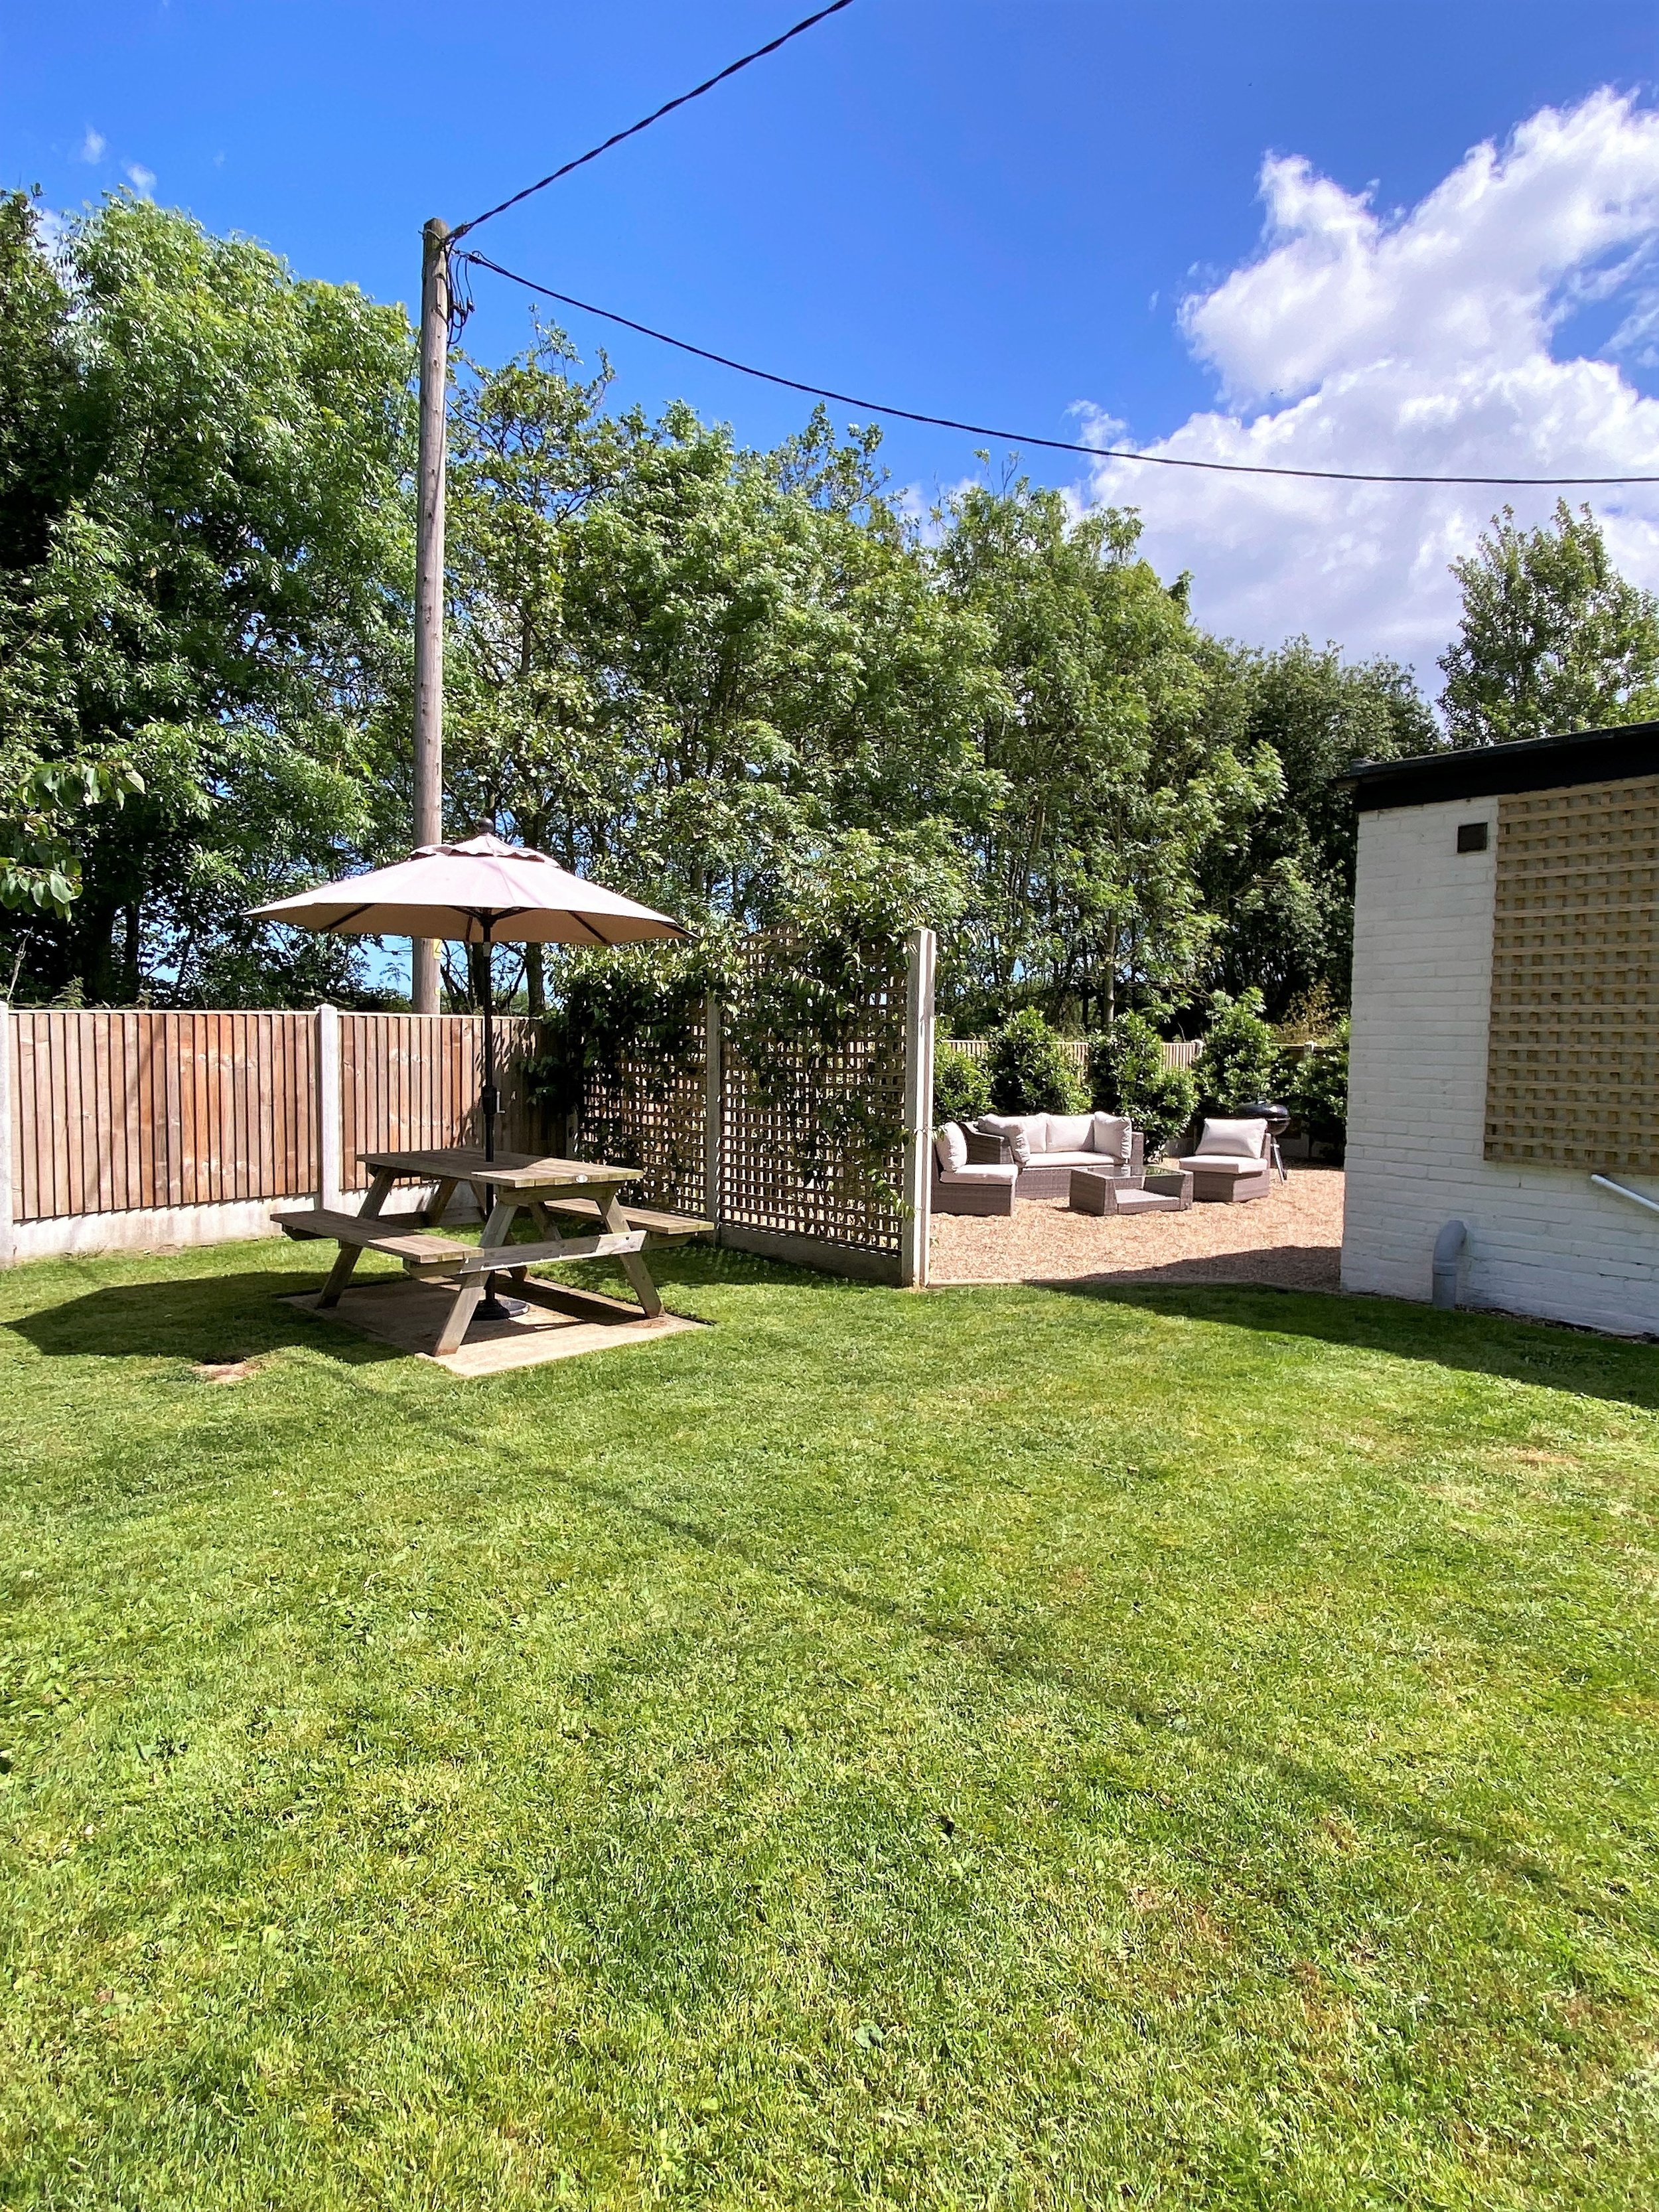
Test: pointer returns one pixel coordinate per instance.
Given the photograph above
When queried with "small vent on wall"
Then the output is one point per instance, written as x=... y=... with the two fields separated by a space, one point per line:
x=1471 y=836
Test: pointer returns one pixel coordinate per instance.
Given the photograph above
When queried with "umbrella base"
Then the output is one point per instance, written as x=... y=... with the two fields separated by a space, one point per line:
x=495 y=1308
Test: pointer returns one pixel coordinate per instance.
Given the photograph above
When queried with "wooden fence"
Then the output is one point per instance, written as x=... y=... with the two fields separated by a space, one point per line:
x=1178 y=1052
x=113 y=1112
x=141 y=1128
x=407 y=1082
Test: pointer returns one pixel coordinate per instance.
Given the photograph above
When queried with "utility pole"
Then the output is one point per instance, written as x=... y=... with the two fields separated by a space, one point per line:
x=429 y=579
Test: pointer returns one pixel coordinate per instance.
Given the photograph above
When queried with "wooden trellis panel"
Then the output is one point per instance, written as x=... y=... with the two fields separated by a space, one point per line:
x=1572 y=1071
x=409 y=1082
x=122 y=1110
x=774 y=1174
x=652 y=1114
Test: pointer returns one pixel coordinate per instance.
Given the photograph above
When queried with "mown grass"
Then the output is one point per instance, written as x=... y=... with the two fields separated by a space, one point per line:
x=999 y=1748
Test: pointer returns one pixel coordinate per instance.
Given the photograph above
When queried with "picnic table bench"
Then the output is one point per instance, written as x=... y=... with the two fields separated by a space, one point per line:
x=510 y=1185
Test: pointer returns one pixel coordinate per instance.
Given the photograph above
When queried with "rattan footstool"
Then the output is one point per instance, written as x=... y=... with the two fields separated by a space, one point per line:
x=1093 y=1192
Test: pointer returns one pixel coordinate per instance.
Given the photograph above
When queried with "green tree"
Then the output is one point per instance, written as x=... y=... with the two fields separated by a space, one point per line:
x=702 y=673
x=1029 y=1070
x=204 y=606
x=1240 y=1061
x=1282 y=883
x=1129 y=1075
x=1111 y=779
x=1552 y=639
x=961 y=1089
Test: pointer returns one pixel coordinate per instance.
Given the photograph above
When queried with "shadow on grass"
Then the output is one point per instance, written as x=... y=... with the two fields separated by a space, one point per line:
x=220 y=1318
x=1550 y=1355
x=209 y=1319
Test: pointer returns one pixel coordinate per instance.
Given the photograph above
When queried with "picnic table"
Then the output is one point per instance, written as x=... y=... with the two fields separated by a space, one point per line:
x=554 y=1196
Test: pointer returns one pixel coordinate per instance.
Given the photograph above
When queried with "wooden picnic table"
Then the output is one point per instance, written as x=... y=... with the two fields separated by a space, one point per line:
x=545 y=1191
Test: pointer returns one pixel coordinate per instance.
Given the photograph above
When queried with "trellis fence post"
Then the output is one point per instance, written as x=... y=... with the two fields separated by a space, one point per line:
x=328 y=1104
x=921 y=951
x=7 y=1240
x=714 y=1114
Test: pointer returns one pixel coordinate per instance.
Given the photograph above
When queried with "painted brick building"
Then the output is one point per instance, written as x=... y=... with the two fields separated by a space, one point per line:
x=1505 y=1041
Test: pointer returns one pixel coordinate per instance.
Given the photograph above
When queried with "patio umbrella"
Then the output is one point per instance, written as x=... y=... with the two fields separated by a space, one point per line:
x=482 y=892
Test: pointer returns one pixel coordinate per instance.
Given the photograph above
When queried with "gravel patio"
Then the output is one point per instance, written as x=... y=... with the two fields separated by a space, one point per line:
x=1292 y=1239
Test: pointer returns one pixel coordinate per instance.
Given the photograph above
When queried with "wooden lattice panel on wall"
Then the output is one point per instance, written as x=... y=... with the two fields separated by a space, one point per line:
x=773 y=1174
x=652 y=1113
x=1572 y=1070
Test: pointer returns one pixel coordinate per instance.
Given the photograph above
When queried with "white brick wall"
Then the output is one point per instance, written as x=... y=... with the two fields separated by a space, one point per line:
x=1540 y=1243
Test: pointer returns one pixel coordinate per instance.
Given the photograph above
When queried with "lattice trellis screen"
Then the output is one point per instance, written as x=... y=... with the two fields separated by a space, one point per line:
x=1572 y=1070
x=776 y=1172
x=650 y=1113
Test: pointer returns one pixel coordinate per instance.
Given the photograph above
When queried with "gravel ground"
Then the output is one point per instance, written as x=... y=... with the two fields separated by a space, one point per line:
x=1293 y=1239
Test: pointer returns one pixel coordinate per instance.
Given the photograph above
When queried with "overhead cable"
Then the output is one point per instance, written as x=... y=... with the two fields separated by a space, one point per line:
x=1022 y=438
x=656 y=116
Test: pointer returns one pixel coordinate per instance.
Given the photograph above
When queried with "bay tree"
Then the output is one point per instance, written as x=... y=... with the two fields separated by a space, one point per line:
x=207 y=547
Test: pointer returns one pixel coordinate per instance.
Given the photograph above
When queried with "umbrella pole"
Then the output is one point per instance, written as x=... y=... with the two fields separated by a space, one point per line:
x=491 y=1098
x=492 y=1307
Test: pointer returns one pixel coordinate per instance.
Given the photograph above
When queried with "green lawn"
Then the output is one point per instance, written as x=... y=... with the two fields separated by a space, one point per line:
x=998 y=1748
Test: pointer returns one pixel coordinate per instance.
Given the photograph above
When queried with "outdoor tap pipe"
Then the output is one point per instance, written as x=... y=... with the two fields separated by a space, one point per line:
x=1448 y=1250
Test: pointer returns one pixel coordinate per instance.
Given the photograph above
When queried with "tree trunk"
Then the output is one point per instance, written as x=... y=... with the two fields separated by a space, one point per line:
x=535 y=982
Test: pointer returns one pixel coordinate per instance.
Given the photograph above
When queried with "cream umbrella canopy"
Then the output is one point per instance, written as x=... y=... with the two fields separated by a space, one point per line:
x=482 y=891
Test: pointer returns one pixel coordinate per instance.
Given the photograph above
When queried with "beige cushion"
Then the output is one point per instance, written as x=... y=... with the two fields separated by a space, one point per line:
x=1112 y=1136
x=951 y=1147
x=1239 y=1139
x=1221 y=1164
x=1083 y=1159
x=1069 y=1132
x=976 y=1173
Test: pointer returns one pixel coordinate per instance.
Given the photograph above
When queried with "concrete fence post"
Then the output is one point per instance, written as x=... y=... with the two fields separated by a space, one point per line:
x=328 y=1193
x=8 y=1242
x=921 y=950
x=714 y=1113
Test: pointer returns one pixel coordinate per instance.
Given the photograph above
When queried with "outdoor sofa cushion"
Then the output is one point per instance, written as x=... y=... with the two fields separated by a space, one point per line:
x=1112 y=1135
x=1235 y=1140
x=1222 y=1163
x=976 y=1174
x=1069 y=1132
x=1057 y=1140
x=952 y=1146
x=1024 y=1134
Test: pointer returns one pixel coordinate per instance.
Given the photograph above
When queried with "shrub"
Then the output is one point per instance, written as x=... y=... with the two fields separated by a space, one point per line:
x=1318 y=1092
x=1240 y=1054
x=961 y=1089
x=1030 y=1071
x=1129 y=1074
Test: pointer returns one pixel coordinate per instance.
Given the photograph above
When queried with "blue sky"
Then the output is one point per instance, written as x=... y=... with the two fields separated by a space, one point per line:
x=994 y=210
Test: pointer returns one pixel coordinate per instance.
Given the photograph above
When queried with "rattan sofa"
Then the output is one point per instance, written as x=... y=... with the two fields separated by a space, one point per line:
x=1053 y=1145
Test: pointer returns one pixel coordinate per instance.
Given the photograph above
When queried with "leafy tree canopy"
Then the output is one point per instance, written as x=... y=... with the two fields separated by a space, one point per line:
x=1552 y=638
x=203 y=567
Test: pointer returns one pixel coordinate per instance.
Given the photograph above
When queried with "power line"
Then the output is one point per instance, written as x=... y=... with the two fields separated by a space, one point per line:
x=656 y=116
x=1019 y=438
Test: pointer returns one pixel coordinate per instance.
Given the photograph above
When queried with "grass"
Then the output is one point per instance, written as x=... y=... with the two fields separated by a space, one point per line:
x=1003 y=1748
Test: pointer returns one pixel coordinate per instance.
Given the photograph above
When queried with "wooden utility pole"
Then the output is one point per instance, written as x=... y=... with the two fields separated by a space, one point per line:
x=430 y=578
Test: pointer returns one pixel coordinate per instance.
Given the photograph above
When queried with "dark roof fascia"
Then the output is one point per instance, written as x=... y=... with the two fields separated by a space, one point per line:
x=1485 y=771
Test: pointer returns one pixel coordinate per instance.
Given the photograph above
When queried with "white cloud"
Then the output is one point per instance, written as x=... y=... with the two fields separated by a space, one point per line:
x=93 y=145
x=1423 y=342
x=142 y=180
